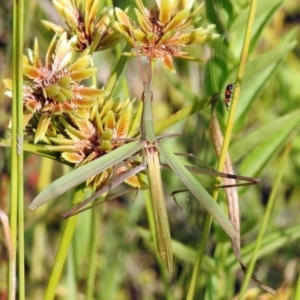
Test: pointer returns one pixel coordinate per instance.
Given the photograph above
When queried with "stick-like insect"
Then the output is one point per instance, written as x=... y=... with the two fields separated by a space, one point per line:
x=151 y=149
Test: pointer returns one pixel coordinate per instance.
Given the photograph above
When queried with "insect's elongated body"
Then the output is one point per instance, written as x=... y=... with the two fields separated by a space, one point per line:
x=152 y=150
x=151 y=158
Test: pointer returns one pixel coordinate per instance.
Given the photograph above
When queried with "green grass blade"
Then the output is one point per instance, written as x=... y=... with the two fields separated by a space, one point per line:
x=35 y=149
x=270 y=244
x=267 y=149
x=183 y=252
x=92 y=268
x=264 y=12
x=79 y=175
x=196 y=188
x=63 y=248
x=117 y=72
x=17 y=179
x=259 y=72
x=266 y=219
x=259 y=135
x=183 y=113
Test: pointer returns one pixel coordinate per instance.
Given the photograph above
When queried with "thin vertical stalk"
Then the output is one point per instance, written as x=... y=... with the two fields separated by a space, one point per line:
x=225 y=146
x=266 y=218
x=14 y=169
x=63 y=247
x=39 y=235
x=70 y=274
x=16 y=204
x=90 y=286
x=20 y=153
x=113 y=80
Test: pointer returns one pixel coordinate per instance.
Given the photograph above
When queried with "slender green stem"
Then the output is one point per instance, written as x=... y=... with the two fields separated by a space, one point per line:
x=225 y=146
x=71 y=274
x=240 y=75
x=16 y=204
x=119 y=54
x=39 y=235
x=21 y=247
x=199 y=258
x=93 y=254
x=266 y=219
x=63 y=247
x=116 y=74
x=14 y=169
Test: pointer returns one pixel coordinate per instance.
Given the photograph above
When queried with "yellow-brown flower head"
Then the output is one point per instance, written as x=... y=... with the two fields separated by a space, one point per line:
x=54 y=88
x=159 y=30
x=83 y=140
x=92 y=28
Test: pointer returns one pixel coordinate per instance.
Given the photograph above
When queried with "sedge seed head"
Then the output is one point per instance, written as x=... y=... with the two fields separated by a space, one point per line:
x=84 y=20
x=159 y=32
x=54 y=87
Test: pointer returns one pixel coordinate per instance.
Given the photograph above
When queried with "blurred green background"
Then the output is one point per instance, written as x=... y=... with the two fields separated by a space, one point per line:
x=126 y=265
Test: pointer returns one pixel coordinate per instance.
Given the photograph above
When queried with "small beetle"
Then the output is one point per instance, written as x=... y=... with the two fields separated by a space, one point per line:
x=228 y=94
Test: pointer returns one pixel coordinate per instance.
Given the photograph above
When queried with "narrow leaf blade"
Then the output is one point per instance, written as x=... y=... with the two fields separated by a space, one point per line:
x=79 y=175
x=196 y=189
